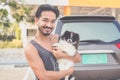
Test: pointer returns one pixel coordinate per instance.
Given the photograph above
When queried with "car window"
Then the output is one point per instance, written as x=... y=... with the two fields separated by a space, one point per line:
x=105 y=31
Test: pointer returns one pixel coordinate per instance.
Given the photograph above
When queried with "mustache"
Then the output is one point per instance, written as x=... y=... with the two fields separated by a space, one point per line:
x=47 y=27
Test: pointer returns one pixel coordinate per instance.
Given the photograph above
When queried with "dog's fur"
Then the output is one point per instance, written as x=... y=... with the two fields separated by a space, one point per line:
x=68 y=42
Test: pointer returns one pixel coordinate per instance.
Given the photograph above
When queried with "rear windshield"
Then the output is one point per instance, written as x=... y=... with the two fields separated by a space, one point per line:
x=105 y=31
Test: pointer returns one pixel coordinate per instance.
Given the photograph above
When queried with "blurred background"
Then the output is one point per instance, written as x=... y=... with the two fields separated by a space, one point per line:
x=17 y=28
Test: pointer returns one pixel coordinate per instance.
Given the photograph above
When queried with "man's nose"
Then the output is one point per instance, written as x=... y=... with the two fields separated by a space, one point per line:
x=49 y=24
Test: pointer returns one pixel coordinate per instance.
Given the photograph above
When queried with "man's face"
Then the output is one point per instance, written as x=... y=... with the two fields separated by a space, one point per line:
x=46 y=22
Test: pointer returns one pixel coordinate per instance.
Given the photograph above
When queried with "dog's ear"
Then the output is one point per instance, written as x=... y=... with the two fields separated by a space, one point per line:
x=66 y=33
x=77 y=37
x=78 y=40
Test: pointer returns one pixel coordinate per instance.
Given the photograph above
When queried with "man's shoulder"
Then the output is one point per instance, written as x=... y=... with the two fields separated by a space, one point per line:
x=54 y=38
x=54 y=35
x=29 y=47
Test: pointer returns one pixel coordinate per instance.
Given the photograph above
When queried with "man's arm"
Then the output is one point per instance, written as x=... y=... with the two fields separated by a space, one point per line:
x=58 y=53
x=37 y=66
x=76 y=58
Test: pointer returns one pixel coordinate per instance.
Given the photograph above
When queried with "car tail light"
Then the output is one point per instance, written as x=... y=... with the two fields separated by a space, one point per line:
x=118 y=45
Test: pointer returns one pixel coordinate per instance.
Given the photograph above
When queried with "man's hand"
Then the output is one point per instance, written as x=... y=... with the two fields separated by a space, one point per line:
x=58 y=53
x=70 y=70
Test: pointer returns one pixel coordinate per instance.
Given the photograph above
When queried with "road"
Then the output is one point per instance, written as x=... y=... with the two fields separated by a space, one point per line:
x=13 y=65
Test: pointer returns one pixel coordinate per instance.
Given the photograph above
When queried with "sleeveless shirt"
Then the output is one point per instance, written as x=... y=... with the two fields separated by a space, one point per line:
x=47 y=57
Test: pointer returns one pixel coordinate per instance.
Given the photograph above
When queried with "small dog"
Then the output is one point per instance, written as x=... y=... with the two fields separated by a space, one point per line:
x=68 y=43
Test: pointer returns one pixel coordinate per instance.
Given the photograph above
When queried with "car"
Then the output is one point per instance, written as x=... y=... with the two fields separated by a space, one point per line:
x=99 y=45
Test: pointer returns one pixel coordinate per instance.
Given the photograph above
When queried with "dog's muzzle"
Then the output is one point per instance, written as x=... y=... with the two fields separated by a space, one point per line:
x=69 y=40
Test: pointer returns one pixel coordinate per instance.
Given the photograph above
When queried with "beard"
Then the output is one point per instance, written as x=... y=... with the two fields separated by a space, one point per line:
x=47 y=33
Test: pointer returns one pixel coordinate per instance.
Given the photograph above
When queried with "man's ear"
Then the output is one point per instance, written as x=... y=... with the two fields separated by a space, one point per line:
x=36 y=20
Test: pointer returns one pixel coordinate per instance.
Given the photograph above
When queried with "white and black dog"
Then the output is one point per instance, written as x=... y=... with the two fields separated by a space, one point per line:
x=68 y=42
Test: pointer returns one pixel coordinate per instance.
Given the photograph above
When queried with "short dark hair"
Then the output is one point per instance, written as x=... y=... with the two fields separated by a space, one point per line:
x=46 y=7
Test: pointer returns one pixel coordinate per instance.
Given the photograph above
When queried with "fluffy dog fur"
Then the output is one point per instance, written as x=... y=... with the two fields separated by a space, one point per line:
x=68 y=42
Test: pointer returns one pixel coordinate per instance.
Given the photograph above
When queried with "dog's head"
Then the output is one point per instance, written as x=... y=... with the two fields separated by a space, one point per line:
x=71 y=37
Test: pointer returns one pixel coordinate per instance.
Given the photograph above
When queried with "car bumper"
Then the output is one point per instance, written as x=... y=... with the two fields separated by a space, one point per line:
x=106 y=72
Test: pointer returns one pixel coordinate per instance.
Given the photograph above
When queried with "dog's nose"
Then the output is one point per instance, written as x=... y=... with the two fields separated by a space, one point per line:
x=69 y=40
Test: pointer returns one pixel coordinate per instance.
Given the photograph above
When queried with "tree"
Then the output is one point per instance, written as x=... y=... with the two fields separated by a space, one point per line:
x=4 y=23
x=20 y=12
x=10 y=10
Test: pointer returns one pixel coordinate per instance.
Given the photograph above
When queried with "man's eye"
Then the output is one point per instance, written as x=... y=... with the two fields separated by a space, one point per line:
x=52 y=21
x=45 y=20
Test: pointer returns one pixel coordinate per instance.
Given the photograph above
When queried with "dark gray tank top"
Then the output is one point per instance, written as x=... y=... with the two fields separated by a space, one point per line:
x=48 y=58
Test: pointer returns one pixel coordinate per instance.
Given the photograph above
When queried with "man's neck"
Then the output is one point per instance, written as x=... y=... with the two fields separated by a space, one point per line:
x=42 y=37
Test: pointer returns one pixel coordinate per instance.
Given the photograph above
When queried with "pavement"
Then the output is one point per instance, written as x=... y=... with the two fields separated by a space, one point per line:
x=12 y=56
x=13 y=65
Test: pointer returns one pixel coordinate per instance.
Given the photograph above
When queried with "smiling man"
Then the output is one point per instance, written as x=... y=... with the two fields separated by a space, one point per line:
x=39 y=53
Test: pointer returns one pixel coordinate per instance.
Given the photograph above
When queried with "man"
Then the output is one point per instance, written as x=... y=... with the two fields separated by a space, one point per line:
x=39 y=53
